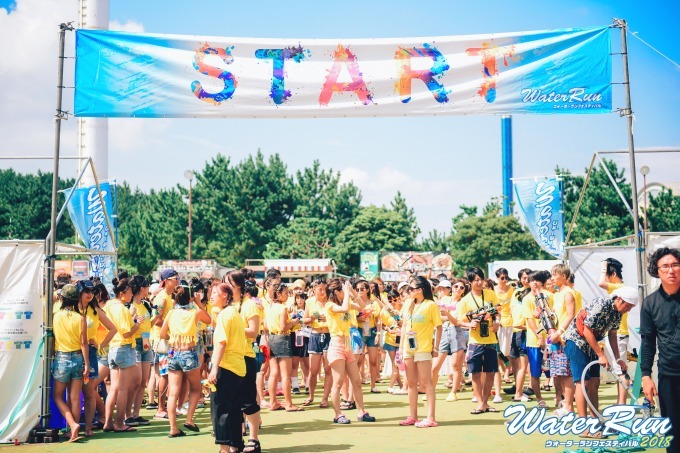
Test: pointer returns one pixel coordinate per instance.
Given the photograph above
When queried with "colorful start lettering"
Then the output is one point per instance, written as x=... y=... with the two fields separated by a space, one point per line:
x=343 y=57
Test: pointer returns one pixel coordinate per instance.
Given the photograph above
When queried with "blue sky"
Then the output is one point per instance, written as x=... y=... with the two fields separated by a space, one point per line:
x=456 y=162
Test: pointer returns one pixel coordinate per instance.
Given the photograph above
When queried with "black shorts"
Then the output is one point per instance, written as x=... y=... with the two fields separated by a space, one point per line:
x=279 y=345
x=518 y=345
x=318 y=343
x=249 y=404
x=299 y=351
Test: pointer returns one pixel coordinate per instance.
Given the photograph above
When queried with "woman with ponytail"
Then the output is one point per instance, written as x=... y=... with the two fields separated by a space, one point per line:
x=141 y=308
x=340 y=355
x=180 y=328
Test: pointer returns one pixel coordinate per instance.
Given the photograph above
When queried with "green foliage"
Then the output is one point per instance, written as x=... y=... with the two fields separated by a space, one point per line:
x=375 y=228
x=399 y=206
x=479 y=239
x=302 y=237
x=434 y=242
x=25 y=202
x=664 y=212
x=602 y=214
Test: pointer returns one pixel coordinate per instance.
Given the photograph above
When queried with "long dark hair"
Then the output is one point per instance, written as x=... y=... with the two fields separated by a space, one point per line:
x=237 y=279
x=527 y=290
x=184 y=297
x=120 y=286
x=421 y=282
x=333 y=285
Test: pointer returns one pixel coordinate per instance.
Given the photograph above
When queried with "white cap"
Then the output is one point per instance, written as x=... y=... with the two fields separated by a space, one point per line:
x=444 y=284
x=153 y=288
x=401 y=285
x=627 y=294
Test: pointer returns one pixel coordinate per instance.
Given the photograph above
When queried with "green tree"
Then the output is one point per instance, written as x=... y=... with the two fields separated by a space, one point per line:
x=479 y=239
x=302 y=237
x=152 y=227
x=664 y=212
x=319 y=194
x=375 y=228
x=434 y=242
x=238 y=207
x=398 y=205
x=602 y=214
x=25 y=206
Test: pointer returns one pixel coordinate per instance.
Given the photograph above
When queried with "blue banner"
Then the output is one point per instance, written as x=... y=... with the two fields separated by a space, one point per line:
x=87 y=214
x=540 y=201
x=120 y=74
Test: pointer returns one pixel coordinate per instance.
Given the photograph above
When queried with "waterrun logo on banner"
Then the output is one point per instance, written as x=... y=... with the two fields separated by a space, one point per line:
x=576 y=97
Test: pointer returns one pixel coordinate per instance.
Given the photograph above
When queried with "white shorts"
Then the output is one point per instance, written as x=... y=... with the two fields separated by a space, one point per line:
x=505 y=339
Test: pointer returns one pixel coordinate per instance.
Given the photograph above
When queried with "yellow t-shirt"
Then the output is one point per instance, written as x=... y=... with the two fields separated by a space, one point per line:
x=249 y=311
x=623 y=328
x=373 y=312
x=389 y=321
x=338 y=323
x=182 y=325
x=518 y=322
x=165 y=303
x=473 y=303
x=121 y=318
x=274 y=317
x=505 y=301
x=528 y=307
x=93 y=324
x=560 y=308
x=229 y=329
x=140 y=310
x=423 y=320
x=314 y=307
x=66 y=326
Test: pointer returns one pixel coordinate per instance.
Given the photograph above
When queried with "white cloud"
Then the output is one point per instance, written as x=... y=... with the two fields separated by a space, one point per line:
x=131 y=26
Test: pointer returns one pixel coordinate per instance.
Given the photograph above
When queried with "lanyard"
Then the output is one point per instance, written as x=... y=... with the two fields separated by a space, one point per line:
x=475 y=300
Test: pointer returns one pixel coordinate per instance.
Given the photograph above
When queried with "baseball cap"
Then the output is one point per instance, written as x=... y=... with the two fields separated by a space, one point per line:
x=444 y=284
x=401 y=285
x=70 y=292
x=627 y=294
x=83 y=285
x=168 y=273
x=298 y=284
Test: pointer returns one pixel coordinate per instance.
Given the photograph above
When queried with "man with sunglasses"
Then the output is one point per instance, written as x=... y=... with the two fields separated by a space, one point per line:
x=163 y=303
x=660 y=324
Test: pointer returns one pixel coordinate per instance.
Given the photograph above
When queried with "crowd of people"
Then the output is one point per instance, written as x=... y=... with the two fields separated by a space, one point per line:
x=173 y=345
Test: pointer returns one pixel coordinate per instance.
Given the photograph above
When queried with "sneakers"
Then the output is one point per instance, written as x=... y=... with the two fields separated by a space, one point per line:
x=142 y=421
x=510 y=391
x=296 y=390
x=131 y=422
x=561 y=412
x=497 y=399
x=152 y=406
x=452 y=397
x=474 y=399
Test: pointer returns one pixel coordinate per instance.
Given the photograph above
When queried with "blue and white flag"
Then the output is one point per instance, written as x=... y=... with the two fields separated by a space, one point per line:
x=87 y=215
x=540 y=202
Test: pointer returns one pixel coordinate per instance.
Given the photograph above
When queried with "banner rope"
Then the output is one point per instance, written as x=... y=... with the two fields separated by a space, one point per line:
x=634 y=35
x=19 y=405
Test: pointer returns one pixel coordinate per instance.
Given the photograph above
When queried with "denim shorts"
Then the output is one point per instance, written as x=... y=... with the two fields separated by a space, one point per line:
x=122 y=357
x=94 y=359
x=103 y=359
x=318 y=343
x=183 y=360
x=357 y=340
x=141 y=354
x=68 y=366
x=579 y=360
x=518 y=345
x=452 y=340
x=371 y=340
x=280 y=347
x=389 y=347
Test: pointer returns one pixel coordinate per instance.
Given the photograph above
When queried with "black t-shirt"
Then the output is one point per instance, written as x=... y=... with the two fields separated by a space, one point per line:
x=660 y=323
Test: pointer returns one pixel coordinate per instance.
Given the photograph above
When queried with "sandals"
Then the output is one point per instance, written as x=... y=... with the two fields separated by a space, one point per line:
x=323 y=405
x=426 y=423
x=366 y=418
x=307 y=402
x=408 y=421
x=477 y=411
x=192 y=428
x=294 y=409
x=179 y=434
x=546 y=387
x=375 y=391
x=348 y=406
x=253 y=446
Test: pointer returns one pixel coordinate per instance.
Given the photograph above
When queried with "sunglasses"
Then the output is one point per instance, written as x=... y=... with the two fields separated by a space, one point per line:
x=458 y=287
x=88 y=291
x=502 y=278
